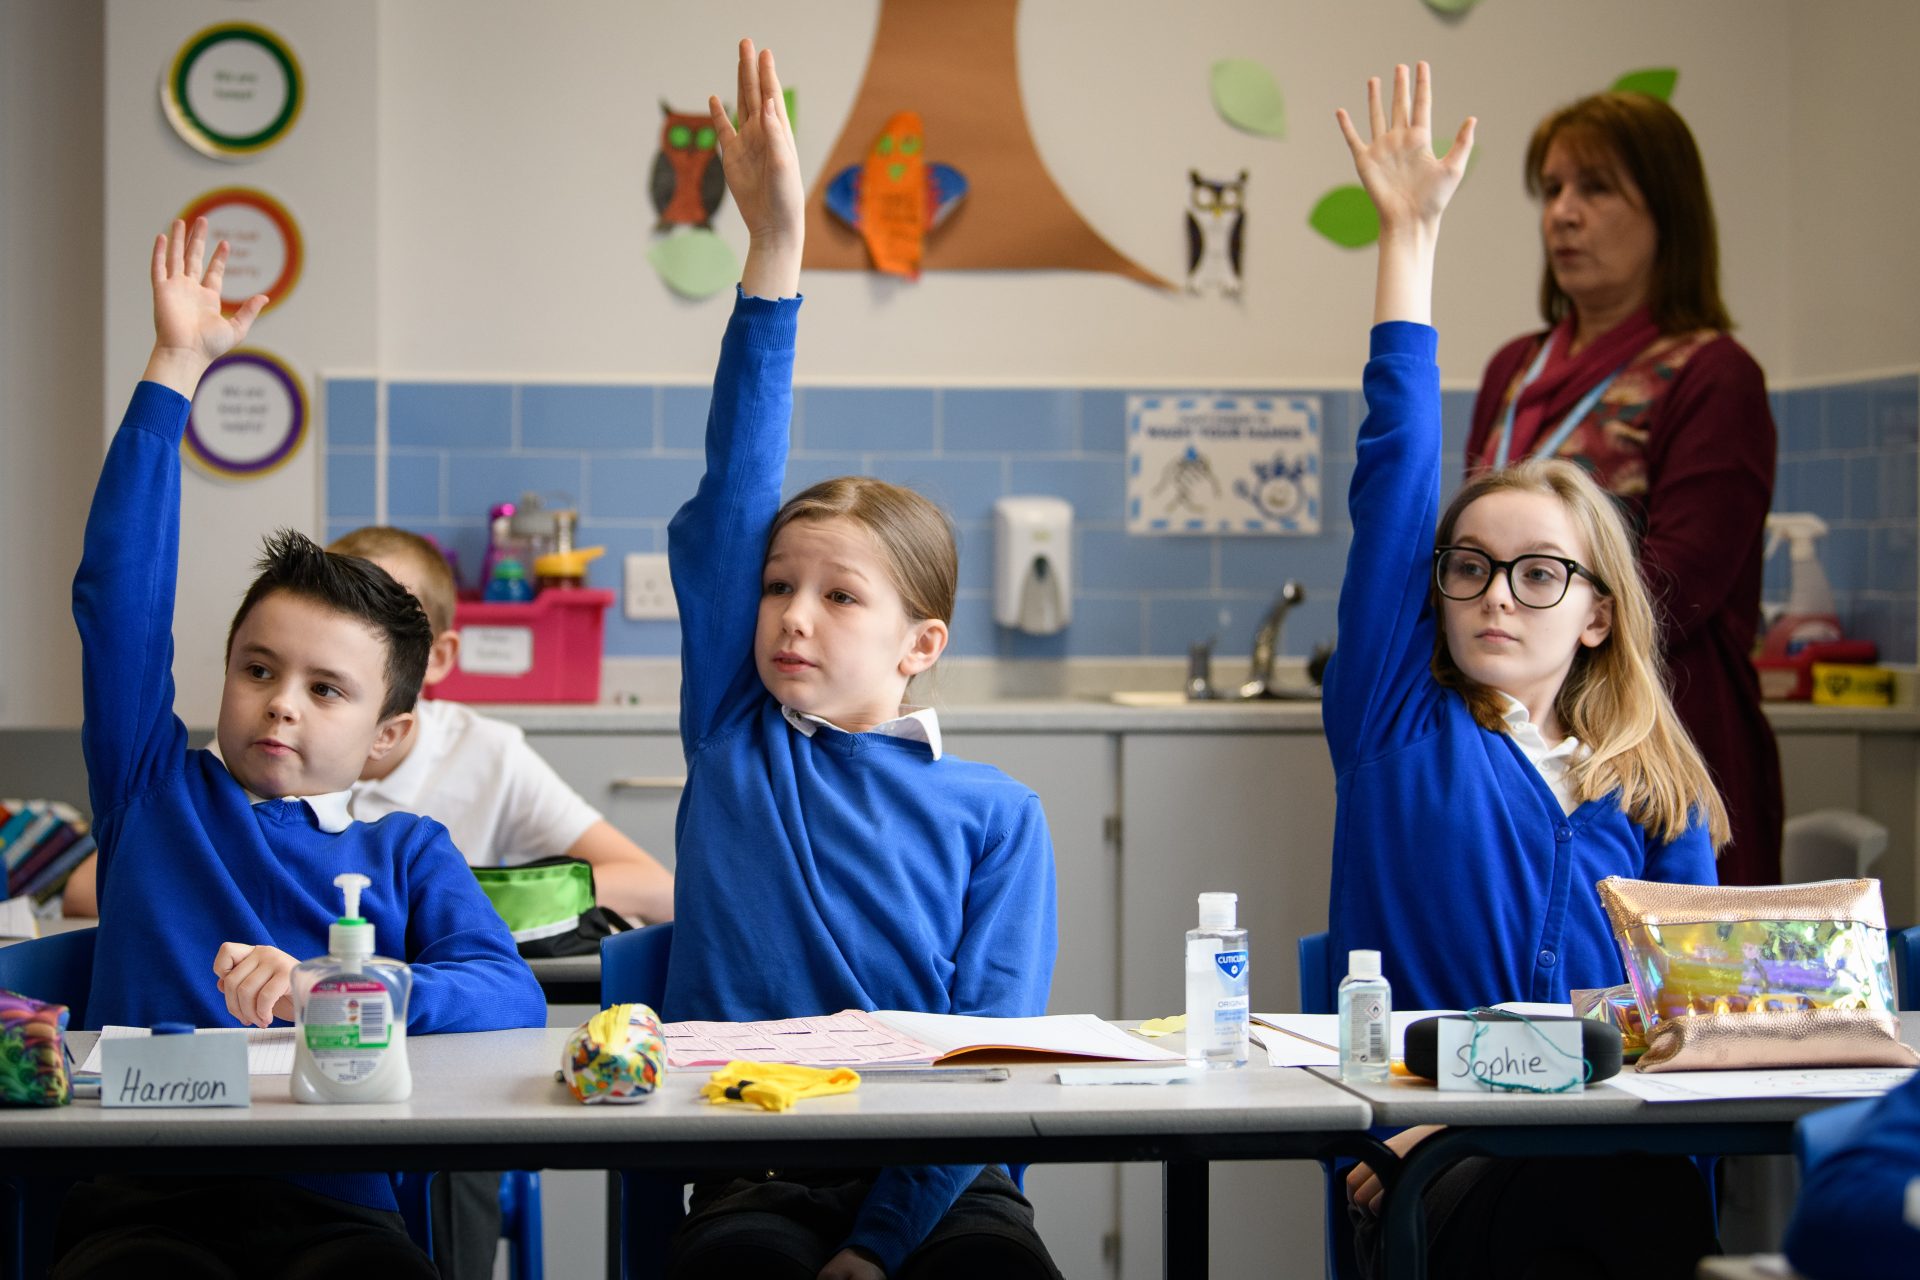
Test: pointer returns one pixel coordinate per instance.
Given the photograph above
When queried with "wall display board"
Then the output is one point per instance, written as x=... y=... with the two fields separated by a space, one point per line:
x=233 y=91
x=1223 y=464
x=264 y=253
x=249 y=416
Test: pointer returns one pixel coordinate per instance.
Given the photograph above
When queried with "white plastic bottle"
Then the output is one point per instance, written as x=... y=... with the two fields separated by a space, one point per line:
x=1366 y=1019
x=1217 y=986
x=350 y=1015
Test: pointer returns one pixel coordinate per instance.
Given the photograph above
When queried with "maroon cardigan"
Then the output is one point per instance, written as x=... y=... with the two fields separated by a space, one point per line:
x=1697 y=462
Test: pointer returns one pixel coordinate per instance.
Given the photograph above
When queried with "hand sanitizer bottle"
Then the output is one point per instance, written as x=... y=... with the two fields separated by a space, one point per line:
x=1217 y=986
x=350 y=1015
x=1366 y=1014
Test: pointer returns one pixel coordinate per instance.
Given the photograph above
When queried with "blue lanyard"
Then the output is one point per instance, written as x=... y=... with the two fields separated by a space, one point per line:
x=1551 y=445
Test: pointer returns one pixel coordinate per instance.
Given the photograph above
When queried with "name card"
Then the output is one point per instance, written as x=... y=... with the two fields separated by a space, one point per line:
x=1538 y=1055
x=174 y=1071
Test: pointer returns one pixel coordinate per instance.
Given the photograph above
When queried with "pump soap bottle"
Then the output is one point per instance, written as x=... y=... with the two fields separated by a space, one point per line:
x=350 y=1015
x=1217 y=1001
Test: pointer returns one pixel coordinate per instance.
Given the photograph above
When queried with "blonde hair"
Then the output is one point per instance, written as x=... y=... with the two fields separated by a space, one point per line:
x=436 y=575
x=914 y=536
x=1615 y=697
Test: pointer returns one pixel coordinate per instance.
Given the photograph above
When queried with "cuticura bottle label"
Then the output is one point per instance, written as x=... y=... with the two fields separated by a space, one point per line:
x=1232 y=963
x=348 y=1022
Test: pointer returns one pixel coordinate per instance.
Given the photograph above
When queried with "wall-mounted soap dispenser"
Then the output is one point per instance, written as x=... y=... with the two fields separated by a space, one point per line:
x=1033 y=564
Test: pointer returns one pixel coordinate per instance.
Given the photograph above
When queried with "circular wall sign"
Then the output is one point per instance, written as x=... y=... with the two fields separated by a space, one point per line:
x=233 y=90
x=264 y=253
x=249 y=416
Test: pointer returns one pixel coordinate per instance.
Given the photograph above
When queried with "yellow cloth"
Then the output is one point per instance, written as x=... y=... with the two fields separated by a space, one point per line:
x=1154 y=1028
x=775 y=1086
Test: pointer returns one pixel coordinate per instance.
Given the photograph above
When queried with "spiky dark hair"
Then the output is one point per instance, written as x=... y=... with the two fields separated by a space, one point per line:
x=296 y=564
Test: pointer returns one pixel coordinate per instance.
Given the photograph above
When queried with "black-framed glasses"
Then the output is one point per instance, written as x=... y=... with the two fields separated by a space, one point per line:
x=1536 y=581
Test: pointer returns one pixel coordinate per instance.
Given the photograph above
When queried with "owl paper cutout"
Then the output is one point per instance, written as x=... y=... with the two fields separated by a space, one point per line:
x=687 y=179
x=1216 y=217
x=896 y=197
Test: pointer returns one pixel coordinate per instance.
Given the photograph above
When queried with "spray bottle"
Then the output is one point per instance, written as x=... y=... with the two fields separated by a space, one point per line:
x=350 y=1015
x=1809 y=617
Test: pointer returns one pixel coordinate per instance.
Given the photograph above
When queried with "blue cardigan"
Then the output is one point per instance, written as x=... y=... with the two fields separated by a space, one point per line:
x=1451 y=855
x=187 y=863
x=840 y=870
x=1859 y=1210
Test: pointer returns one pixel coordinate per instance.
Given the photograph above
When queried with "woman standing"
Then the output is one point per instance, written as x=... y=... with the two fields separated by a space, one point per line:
x=1637 y=379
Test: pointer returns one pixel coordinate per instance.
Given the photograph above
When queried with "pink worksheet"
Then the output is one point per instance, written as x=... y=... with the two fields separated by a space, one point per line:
x=847 y=1039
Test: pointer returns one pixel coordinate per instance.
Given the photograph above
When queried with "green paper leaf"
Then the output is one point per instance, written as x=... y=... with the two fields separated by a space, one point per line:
x=1347 y=217
x=694 y=264
x=1245 y=95
x=1451 y=7
x=1655 y=82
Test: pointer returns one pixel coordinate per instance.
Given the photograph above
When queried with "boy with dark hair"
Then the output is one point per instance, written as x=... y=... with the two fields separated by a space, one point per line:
x=230 y=867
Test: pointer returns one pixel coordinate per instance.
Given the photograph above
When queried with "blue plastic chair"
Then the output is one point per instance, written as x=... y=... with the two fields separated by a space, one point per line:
x=56 y=968
x=633 y=970
x=1905 y=944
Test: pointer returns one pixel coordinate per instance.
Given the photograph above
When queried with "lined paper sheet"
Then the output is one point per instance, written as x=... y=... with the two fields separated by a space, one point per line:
x=1811 y=1082
x=269 y=1049
x=853 y=1038
x=1074 y=1035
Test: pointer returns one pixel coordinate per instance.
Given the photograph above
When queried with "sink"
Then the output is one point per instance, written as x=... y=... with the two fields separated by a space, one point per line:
x=1175 y=698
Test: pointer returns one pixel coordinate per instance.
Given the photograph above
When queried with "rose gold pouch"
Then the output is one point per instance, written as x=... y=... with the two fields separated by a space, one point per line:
x=1794 y=975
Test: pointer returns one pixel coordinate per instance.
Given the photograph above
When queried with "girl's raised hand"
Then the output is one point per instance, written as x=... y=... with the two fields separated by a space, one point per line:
x=189 y=330
x=763 y=172
x=1409 y=185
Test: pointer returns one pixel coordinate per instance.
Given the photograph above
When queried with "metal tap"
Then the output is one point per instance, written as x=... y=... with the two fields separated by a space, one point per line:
x=1266 y=643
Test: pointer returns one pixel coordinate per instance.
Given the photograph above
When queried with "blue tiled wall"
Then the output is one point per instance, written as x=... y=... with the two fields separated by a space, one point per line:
x=629 y=455
x=1848 y=453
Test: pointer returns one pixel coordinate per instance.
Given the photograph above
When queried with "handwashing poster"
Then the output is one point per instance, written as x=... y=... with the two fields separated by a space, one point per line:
x=1223 y=464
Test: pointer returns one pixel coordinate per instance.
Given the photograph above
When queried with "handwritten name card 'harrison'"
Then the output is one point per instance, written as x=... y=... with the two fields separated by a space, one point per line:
x=184 y=1070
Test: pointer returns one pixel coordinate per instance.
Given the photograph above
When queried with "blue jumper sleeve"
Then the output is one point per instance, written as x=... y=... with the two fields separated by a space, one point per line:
x=1687 y=860
x=1003 y=969
x=1859 y=1210
x=123 y=605
x=717 y=542
x=467 y=973
x=1386 y=626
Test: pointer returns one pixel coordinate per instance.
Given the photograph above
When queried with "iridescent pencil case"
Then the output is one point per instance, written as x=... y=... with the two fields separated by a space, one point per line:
x=617 y=1055
x=33 y=1052
x=1793 y=975
x=1619 y=1006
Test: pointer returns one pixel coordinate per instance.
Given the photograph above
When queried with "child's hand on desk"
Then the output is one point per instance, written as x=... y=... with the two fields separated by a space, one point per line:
x=851 y=1264
x=1364 y=1185
x=189 y=330
x=257 y=982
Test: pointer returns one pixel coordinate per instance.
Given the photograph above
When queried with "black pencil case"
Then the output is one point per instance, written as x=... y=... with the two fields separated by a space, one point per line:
x=1599 y=1041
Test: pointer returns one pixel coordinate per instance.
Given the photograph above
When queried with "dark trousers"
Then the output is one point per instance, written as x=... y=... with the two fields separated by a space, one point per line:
x=1593 y=1218
x=201 y=1228
x=790 y=1222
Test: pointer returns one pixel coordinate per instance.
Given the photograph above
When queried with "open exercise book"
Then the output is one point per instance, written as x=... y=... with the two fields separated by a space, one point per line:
x=852 y=1038
x=269 y=1049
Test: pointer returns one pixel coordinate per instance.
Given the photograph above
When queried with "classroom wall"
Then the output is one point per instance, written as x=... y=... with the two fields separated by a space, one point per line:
x=503 y=163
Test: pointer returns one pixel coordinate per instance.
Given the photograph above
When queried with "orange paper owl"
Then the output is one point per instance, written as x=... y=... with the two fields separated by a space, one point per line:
x=895 y=197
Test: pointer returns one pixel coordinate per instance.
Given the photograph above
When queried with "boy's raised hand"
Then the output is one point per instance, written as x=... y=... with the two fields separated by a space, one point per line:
x=189 y=330
x=1409 y=185
x=763 y=173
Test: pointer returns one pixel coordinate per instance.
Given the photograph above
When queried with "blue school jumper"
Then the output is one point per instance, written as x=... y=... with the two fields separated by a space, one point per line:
x=835 y=871
x=188 y=863
x=1451 y=855
x=1859 y=1209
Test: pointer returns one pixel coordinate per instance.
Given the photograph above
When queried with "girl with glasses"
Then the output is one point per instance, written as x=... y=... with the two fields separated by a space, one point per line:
x=1500 y=732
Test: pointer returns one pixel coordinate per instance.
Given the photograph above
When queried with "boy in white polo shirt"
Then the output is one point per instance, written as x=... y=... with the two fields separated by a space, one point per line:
x=501 y=802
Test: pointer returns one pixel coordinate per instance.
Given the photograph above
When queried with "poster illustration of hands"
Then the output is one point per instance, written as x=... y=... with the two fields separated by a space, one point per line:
x=1223 y=464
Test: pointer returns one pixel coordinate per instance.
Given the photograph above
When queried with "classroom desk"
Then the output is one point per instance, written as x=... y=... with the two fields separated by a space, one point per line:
x=489 y=1101
x=1597 y=1121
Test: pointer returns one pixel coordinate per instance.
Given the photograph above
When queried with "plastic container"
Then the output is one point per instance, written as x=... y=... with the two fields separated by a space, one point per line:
x=509 y=584
x=1366 y=1020
x=350 y=1015
x=545 y=651
x=1216 y=969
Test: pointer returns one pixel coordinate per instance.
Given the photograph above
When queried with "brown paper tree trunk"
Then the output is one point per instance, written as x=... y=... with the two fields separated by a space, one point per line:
x=953 y=62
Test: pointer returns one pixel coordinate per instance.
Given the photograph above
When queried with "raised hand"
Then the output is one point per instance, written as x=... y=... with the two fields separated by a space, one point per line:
x=189 y=331
x=1409 y=185
x=763 y=173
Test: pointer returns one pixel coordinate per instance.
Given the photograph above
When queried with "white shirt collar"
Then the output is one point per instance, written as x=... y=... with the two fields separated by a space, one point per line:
x=330 y=811
x=1520 y=724
x=919 y=724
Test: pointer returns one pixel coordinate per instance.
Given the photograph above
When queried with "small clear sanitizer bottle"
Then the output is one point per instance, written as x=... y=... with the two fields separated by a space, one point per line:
x=1366 y=1015
x=1217 y=986
x=350 y=1015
